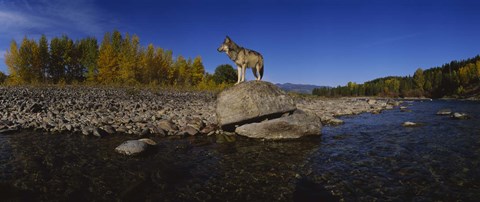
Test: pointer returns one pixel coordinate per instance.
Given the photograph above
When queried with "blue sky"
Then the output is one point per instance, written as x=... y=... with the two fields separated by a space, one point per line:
x=325 y=42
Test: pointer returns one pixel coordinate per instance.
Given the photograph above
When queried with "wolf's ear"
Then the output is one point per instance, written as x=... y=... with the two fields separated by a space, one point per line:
x=227 y=39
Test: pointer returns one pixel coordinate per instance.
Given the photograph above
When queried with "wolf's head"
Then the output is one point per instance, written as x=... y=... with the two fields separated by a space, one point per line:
x=226 y=45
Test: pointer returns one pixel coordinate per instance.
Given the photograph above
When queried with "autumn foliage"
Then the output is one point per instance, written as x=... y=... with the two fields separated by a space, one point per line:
x=117 y=60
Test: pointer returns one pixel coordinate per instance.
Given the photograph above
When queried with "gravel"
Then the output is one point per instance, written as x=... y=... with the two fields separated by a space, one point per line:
x=101 y=111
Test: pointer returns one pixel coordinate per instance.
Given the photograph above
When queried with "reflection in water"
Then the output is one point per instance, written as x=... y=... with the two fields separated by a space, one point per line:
x=69 y=166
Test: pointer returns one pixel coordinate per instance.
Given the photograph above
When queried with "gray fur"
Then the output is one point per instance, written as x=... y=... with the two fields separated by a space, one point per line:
x=243 y=58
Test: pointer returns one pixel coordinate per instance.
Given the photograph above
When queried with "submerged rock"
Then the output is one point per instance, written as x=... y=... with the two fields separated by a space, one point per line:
x=134 y=147
x=444 y=112
x=294 y=126
x=148 y=141
x=411 y=124
x=458 y=115
x=251 y=101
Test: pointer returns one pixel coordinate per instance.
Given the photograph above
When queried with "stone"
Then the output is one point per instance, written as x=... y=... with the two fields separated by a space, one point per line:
x=250 y=102
x=393 y=103
x=132 y=147
x=109 y=129
x=98 y=132
x=35 y=108
x=294 y=126
x=167 y=125
x=148 y=141
x=122 y=129
x=335 y=121
x=158 y=131
x=145 y=132
x=208 y=129
x=445 y=112
x=196 y=123
x=371 y=101
x=86 y=130
x=410 y=124
x=458 y=115
x=189 y=130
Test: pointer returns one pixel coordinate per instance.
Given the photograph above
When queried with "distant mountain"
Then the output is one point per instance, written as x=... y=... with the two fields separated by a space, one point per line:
x=299 y=88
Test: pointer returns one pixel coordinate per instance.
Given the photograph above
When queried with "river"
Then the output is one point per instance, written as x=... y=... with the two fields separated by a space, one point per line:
x=370 y=157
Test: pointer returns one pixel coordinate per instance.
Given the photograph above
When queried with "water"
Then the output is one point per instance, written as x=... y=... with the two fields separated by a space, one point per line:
x=370 y=157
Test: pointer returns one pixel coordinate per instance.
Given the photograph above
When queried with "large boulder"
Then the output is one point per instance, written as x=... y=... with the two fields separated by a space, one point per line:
x=289 y=127
x=251 y=101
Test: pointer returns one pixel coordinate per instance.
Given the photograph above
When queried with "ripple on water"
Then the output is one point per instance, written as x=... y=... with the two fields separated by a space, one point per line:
x=370 y=157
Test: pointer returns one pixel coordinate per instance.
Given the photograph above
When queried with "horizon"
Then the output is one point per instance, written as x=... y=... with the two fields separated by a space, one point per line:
x=323 y=43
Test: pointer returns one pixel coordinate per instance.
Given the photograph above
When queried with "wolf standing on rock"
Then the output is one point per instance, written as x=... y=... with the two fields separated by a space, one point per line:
x=243 y=58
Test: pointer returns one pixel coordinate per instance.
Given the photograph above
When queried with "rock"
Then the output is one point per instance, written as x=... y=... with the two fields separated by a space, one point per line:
x=132 y=147
x=35 y=108
x=98 y=132
x=371 y=101
x=250 y=102
x=189 y=130
x=68 y=127
x=148 y=141
x=122 y=129
x=294 y=126
x=209 y=128
x=86 y=130
x=196 y=123
x=109 y=129
x=145 y=132
x=444 y=112
x=458 y=115
x=410 y=124
x=159 y=132
x=335 y=121
x=393 y=103
x=167 y=125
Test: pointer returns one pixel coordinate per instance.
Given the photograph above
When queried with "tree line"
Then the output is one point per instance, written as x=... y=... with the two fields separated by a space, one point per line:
x=118 y=60
x=454 y=79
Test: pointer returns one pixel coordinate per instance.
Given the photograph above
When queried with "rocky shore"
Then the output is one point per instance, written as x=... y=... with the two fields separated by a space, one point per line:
x=328 y=109
x=96 y=111
x=100 y=111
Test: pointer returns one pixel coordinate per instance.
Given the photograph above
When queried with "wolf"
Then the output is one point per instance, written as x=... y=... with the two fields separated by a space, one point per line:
x=243 y=58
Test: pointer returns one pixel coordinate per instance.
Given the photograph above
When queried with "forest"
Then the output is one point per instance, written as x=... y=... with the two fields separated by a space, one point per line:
x=454 y=79
x=117 y=60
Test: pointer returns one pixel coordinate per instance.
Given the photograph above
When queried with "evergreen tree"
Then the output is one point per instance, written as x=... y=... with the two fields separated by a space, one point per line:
x=419 y=79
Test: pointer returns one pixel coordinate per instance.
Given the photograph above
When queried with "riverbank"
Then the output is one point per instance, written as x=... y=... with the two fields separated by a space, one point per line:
x=100 y=111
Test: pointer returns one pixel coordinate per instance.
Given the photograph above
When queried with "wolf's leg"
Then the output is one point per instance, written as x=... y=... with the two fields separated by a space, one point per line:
x=258 y=72
x=244 y=67
x=239 y=72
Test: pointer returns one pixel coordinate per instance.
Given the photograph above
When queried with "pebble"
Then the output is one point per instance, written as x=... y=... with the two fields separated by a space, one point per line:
x=100 y=111
x=410 y=124
x=458 y=115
